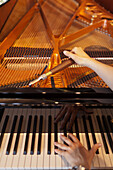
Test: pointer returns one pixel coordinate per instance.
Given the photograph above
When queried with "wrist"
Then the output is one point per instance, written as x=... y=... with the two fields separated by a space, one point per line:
x=92 y=64
x=79 y=168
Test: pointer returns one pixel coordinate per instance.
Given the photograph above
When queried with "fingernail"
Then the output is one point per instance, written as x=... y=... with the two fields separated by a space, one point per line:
x=65 y=52
x=61 y=134
x=100 y=144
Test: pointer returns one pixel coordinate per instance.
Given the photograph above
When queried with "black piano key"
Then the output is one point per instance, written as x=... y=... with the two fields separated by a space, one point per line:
x=49 y=134
x=3 y=129
x=86 y=132
x=27 y=136
x=55 y=135
x=76 y=129
x=110 y=123
x=65 y=134
x=1 y=113
x=11 y=135
x=40 y=135
x=18 y=136
x=102 y=135
x=65 y=131
x=93 y=133
x=34 y=133
x=56 y=132
x=108 y=132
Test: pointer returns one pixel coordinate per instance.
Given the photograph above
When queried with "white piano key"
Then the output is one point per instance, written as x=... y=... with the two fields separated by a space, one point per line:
x=21 y=161
x=46 y=156
x=109 y=157
x=3 y=150
x=41 y=156
x=28 y=156
x=58 y=160
x=110 y=151
x=106 y=156
x=101 y=152
x=45 y=149
x=95 y=159
x=34 y=156
x=10 y=157
x=9 y=160
x=21 y=139
x=17 y=156
x=1 y=126
x=80 y=130
x=7 y=136
x=63 y=161
x=97 y=135
x=52 y=156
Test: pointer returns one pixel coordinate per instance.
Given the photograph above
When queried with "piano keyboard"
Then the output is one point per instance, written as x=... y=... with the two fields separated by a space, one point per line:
x=27 y=136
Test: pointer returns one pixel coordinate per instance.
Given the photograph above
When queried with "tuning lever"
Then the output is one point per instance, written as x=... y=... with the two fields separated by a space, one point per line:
x=54 y=70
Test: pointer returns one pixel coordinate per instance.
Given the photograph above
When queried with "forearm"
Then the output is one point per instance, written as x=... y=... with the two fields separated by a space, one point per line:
x=103 y=70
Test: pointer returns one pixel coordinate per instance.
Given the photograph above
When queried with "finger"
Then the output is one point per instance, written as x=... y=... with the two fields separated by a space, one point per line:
x=72 y=119
x=66 y=117
x=60 y=152
x=60 y=114
x=77 y=50
x=61 y=146
x=88 y=111
x=70 y=54
x=66 y=140
x=95 y=147
x=59 y=111
x=74 y=138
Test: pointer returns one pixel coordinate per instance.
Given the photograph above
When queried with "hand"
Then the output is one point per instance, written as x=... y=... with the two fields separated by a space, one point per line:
x=79 y=56
x=68 y=113
x=75 y=153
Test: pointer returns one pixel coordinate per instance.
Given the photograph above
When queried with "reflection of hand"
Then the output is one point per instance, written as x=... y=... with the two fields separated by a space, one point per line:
x=68 y=113
x=75 y=153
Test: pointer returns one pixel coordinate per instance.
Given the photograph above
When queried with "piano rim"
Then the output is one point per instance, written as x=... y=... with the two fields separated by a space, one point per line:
x=18 y=96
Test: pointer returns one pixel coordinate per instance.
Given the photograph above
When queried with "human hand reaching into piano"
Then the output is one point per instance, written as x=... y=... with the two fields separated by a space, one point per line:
x=74 y=152
x=103 y=70
x=79 y=56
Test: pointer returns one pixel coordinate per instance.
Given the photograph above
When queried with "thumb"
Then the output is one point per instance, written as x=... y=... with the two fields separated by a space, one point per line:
x=95 y=147
x=69 y=54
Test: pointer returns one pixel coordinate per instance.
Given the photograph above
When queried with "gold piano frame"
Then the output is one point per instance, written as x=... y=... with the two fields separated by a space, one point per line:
x=89 y=10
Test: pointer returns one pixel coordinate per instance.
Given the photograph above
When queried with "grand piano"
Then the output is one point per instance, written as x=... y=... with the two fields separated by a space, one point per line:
x=35 y=46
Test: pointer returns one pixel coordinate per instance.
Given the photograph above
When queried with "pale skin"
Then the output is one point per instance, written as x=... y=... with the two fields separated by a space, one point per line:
x=75 y=153
x=103 y=70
